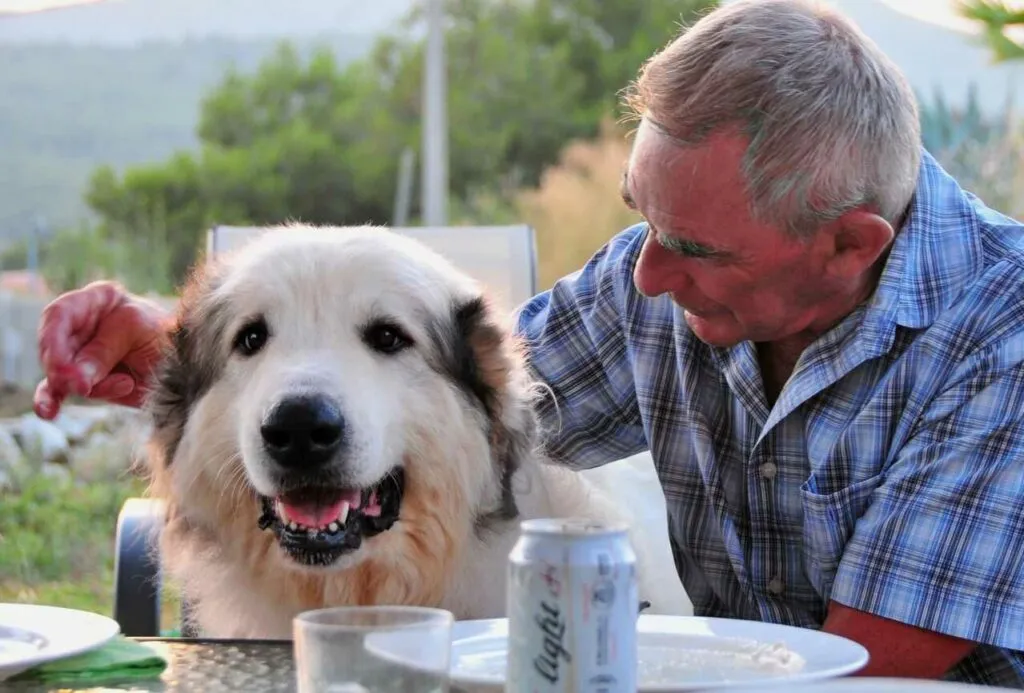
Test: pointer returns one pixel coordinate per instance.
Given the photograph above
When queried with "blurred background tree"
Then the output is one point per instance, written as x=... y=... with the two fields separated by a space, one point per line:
x=532 y=104
x=305 y=139
x=996 y=18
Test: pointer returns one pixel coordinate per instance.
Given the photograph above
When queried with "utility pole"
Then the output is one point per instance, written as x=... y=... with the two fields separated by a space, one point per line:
x=34 y=239
x=403 y=192
x=435 y=120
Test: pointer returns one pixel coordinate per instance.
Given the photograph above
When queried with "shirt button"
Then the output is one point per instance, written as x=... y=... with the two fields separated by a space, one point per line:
x=769 y=470
x=775 y=586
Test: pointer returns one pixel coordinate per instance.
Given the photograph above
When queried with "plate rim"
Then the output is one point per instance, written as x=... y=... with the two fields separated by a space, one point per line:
x=103 y=629
x=855 y=664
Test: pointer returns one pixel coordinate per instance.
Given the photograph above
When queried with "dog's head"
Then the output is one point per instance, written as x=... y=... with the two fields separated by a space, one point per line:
x=337 y=389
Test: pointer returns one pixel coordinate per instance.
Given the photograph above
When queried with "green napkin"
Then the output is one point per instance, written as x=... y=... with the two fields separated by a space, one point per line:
x=120 y=659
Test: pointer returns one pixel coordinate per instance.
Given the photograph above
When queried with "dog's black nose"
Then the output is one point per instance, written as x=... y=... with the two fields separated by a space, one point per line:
x=303 y=431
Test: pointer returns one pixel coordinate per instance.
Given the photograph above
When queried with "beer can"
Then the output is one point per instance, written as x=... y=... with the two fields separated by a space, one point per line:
x=572 y=609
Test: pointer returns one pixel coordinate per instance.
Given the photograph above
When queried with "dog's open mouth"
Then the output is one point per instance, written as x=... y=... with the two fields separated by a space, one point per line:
x=316 y=525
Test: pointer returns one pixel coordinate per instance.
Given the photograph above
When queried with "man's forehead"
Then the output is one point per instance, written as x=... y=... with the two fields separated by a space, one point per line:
x=651 y=137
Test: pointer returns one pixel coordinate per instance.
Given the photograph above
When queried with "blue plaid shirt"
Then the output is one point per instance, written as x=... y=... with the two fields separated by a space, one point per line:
x=889 y=474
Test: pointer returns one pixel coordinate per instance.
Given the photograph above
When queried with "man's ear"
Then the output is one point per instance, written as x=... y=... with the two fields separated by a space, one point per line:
x=856 y=241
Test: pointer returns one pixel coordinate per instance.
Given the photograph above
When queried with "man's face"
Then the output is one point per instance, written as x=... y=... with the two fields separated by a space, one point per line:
x=735 y=278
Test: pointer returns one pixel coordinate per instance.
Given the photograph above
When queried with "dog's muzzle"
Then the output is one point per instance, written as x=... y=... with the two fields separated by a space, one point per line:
x=316 y=518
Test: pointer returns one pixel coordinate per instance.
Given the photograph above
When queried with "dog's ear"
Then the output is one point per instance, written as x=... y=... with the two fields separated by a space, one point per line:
x=189 y=365
x=483 y=358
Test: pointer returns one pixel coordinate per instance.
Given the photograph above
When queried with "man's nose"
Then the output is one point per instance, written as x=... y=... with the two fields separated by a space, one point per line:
x=658 y=271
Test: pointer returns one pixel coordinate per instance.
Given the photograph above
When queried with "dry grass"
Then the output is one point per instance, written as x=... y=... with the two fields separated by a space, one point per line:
x=577 y=207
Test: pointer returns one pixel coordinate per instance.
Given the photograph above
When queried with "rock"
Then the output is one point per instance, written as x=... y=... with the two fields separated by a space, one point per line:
x=78 y=423
x=86 y=443
x=12 y=464
x=57 y=472
x=105 y=456
x=42 y=441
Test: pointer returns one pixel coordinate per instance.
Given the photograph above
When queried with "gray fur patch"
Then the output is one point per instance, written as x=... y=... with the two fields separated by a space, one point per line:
x=192 y=362
x=460 y=341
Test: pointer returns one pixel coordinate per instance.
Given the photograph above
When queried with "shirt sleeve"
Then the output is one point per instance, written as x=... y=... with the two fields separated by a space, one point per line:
x=576 y=347
x=941 y=546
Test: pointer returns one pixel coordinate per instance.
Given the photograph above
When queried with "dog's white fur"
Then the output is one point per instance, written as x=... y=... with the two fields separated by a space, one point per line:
x=317 y=287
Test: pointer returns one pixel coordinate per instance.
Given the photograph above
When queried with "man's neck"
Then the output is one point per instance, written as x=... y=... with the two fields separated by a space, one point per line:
x=778 y=358
x=777 y=361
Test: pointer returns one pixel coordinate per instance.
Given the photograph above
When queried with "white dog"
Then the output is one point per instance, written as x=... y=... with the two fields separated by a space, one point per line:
x=341 y=418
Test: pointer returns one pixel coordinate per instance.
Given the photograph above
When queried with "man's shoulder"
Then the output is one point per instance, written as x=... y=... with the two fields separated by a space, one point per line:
x=958 y=267
x=620 y=253
x=992 y=303
x=956 y=214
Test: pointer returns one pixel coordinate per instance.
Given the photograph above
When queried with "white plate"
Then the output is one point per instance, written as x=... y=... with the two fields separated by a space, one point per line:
x=682 y=653
x=31 y=635
x=881 y=685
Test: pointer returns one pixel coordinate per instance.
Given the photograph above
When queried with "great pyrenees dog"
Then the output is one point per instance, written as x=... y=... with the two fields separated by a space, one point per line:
x=342 y=418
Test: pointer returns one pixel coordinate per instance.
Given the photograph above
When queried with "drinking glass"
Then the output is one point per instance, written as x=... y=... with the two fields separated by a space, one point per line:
x=372 y=649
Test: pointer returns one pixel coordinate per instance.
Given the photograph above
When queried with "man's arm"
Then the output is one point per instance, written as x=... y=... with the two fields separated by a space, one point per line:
x=576 y=346
x=896 y=649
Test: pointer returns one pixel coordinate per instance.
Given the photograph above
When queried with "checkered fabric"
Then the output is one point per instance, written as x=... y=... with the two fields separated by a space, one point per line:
x=888 y=475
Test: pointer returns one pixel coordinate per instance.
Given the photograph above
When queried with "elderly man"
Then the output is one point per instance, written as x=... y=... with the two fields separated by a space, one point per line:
x=817 y=334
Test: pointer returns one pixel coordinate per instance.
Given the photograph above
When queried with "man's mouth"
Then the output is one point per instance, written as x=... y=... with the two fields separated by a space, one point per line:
x=316 y=524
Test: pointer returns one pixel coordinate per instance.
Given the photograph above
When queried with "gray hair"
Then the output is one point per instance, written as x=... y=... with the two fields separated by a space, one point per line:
x=832 y=123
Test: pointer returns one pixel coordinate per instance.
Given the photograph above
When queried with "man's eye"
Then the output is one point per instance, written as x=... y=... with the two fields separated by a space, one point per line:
x=684 y=248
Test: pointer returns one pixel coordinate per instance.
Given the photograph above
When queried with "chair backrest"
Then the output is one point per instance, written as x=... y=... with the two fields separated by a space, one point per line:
x=503 y=258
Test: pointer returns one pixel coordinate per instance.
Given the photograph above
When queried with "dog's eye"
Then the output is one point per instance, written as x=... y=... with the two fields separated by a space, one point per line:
x=251 y=338
x=386 y=338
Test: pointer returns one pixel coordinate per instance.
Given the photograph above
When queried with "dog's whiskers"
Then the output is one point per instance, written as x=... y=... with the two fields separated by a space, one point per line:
x=235 y=482
x=231 y=463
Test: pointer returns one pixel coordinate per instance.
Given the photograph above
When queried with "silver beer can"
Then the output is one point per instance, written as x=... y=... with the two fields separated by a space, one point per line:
x=572 y=609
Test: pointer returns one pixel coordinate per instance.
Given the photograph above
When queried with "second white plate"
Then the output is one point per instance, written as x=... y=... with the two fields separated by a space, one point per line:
x=678 y=653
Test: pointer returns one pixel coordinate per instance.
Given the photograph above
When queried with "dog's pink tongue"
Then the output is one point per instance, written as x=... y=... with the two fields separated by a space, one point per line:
x=313 y=514
x=319 y=514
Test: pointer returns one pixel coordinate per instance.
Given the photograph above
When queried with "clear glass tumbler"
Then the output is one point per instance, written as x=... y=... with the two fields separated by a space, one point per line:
x=372 y=649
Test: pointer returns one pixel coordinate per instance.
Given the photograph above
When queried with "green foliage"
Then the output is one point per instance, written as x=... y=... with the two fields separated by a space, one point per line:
x=995 y=17
x=70 y=259
x=77 y=256
x=983 y=152
x=52 y=528
x=944 y=128
x=304 y=139
x=57 y=543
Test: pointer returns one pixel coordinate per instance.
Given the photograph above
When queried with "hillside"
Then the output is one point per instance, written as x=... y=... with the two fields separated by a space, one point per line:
x=68 y=108
x=120 y=81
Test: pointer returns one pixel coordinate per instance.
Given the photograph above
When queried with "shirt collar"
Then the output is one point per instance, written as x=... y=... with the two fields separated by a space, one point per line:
x=934 y=257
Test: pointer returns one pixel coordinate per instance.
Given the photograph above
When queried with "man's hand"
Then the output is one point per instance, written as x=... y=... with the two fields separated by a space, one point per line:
x=896 y=649
x=98 y=342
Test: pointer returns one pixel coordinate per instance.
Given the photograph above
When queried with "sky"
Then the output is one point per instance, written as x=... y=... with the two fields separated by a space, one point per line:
x=36 y=5
x=935 y=11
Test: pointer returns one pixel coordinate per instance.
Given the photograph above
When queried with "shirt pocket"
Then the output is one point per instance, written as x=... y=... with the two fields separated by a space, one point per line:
x=829 y=521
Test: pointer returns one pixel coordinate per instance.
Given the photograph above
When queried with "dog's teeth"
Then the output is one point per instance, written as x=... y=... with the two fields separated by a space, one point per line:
x=333 y=527
x=343 y=515
x=292 y=526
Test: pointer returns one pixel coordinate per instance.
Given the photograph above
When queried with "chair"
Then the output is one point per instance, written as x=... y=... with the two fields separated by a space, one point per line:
x=501 y=257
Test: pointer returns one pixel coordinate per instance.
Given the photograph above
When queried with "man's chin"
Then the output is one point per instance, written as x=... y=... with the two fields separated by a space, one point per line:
x=713 y=330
